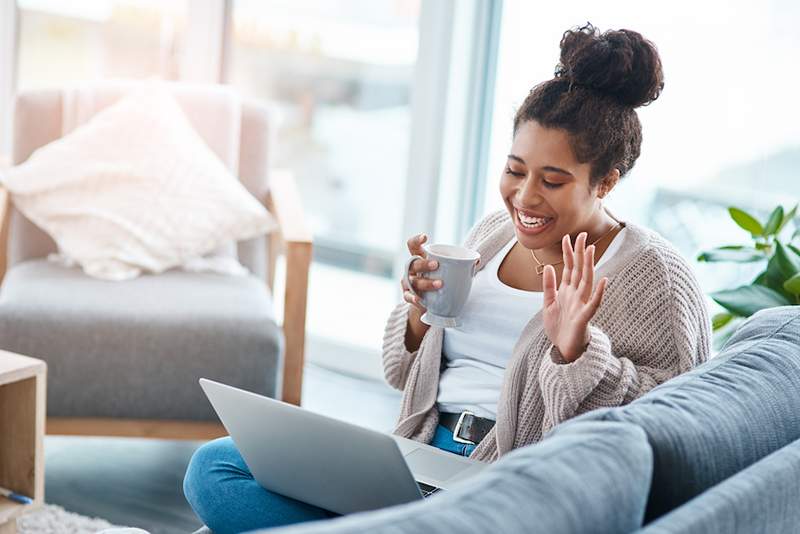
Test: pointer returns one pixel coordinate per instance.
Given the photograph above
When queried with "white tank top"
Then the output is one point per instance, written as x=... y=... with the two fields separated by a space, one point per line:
x=476 y=353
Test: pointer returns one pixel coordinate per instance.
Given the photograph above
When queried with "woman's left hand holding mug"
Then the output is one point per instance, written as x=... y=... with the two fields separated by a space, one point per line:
x=568 y=309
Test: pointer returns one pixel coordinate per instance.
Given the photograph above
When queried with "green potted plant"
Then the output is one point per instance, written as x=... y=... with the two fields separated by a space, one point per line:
x=779 y=282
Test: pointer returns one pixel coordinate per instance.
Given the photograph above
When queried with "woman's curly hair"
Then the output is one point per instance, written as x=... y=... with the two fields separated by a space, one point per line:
x=598 y=83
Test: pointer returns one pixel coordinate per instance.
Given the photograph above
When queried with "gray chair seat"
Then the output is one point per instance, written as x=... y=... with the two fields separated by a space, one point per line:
x=137 y=348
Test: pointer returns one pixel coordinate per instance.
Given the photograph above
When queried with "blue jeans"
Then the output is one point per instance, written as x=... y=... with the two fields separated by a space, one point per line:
x=226 y=497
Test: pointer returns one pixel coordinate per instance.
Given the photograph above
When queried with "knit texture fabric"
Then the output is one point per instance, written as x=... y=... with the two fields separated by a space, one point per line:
x=652 y=325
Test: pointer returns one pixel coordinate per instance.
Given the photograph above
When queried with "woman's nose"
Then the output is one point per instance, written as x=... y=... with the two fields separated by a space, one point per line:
x=528 y=194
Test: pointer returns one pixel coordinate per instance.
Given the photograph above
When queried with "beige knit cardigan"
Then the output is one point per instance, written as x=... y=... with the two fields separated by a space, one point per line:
x=652 y=325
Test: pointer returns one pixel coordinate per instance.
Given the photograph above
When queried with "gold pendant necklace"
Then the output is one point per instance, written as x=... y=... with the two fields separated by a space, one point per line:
x=540 y=266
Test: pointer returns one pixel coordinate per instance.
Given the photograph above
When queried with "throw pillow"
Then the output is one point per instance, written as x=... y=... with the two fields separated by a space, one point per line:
x=133 y=190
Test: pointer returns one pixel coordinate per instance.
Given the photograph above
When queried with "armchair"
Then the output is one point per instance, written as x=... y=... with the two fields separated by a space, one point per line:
x=124 y=357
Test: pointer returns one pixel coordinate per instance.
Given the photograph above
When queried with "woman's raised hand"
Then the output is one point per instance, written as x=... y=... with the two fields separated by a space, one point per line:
x=415 y=272
x=568 y=309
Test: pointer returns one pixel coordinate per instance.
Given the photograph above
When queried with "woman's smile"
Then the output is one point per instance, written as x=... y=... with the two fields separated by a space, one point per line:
x=531 y=224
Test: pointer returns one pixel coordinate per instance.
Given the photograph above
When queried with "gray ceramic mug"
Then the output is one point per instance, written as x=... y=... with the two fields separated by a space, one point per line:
x=457 y=267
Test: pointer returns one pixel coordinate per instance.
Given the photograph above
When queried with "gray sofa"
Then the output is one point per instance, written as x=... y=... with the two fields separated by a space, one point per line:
x=714 y=450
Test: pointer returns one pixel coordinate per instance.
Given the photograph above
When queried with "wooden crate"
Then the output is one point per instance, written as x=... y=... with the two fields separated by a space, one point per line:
x=22 y=420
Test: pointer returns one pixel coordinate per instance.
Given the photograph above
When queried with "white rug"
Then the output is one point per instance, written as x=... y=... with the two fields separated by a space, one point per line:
x=52 y=519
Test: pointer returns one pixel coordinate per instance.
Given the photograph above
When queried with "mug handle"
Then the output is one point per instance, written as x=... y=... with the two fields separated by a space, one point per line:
x=406 y=277
x=475 y=266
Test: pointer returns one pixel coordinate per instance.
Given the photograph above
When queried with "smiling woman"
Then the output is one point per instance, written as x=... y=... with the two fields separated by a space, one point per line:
x=528 y=354
x=579 y=133
x=540 y=340
x=548 y=193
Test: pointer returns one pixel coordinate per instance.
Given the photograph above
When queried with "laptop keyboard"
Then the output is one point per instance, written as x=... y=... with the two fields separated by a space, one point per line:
x=427 y=490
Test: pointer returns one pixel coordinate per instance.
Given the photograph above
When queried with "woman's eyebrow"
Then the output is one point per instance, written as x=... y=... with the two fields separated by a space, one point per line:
x=548 y=168
x=556 y=169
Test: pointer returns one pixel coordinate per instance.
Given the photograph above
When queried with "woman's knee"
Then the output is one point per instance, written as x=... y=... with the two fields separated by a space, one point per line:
x=210 y=463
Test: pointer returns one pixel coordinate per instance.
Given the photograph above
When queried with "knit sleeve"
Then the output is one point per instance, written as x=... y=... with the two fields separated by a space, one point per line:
x=397 y=360
x=679 y=340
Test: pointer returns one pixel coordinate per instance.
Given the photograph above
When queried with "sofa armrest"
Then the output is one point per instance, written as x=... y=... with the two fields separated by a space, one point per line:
x=588 y=477
x=293 y=237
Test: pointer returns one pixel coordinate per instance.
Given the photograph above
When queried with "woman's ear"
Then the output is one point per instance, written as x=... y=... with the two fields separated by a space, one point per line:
x=608 y=183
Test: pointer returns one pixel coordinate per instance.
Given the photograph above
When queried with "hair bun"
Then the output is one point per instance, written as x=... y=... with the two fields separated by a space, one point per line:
x=620 y=63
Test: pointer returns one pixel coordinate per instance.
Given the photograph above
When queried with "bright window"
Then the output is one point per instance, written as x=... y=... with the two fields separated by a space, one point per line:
x=338 y=75
x=61 y=42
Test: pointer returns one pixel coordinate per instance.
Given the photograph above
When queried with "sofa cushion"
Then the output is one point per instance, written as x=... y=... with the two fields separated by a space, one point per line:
x=137 y=348
x=591 y=477
x=723 y=416
x=761 y=498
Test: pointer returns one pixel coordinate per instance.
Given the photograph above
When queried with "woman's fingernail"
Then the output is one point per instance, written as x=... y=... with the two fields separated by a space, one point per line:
x=437 y=283
x=422 y=237
x=432 y=264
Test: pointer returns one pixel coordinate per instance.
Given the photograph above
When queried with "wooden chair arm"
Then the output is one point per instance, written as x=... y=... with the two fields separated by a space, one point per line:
x=293 y=237
x=5 y=212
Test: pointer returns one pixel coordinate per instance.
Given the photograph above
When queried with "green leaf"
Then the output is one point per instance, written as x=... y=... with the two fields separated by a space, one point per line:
x=788 y=217
x=746 y=221
x=766 y=247
x=794 y=249
x=761 y=279
x=788 y=259
x=795 y=234
x=747 y=300
x=720 y=319
x=783 y=264
x=736 y=253
x=792 y=285
x=774 y=221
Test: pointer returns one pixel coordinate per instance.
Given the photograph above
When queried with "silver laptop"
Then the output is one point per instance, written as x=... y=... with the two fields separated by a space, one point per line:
x=337 y=466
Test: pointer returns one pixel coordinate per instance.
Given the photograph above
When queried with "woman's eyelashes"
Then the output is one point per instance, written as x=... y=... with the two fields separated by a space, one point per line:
x=549 y=185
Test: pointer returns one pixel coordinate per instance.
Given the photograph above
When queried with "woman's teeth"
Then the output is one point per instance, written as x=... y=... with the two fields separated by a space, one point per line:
x=533 y=222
